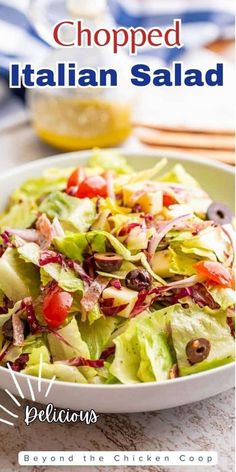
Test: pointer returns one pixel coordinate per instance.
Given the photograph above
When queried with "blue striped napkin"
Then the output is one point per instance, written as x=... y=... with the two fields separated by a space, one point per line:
x=203 y=21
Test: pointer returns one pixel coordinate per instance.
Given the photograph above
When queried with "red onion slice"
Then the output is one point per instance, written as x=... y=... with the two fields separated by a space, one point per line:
x=82 y=362
x=156 y=239
x=28 y=235
x=58 y=230
x=110 y=185
x=183 y=283
x=231 y=238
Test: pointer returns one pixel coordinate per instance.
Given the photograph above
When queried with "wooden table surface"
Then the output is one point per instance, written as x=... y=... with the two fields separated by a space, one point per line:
x=207 y=425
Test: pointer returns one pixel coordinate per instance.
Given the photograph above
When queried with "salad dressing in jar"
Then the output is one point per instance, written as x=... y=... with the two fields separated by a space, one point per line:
x=80 y=118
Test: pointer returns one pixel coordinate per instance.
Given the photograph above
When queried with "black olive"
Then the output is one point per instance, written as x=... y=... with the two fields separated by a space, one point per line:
x=219 y=213
x=197 y=350
x=7 y=330
x=108 y=262
x=138 y=279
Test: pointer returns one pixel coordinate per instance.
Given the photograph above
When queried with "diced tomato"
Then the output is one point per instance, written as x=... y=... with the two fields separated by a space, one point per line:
x=216 y=272
x=56 y=307
x=75 y=178
x=168 y=200
x=94 y=186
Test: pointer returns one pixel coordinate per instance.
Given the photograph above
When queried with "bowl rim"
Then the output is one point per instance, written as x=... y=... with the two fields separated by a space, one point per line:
x=43 y=162
x=187 y=157
x=179 y=380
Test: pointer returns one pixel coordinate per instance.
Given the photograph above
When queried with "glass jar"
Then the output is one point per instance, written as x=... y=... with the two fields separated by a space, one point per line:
x=80 y=118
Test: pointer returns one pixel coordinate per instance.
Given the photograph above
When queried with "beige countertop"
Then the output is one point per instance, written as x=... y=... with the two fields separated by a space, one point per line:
x=207 y=425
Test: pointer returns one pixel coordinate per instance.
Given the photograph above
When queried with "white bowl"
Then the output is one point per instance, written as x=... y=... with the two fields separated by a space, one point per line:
x=218 y=180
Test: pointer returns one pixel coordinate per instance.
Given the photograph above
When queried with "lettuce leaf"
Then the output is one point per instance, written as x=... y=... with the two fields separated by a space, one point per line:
x=60 y=351
x=36 y=354
x=33 y=189
x=225 y=297
x=109 y=160
x=147 y=174
x=178 y=175
x=142 y=351
x=75 y=214
x=195 y=322
x=2 y=299
x=4 y=318
x=208 y=244
x=78 y=348
x=94 y=314
x=98 y=334
x=66 y=278
x=60 y=371
x=20 y=215
x=181 y=263
x=73 y=245
x=18 y=279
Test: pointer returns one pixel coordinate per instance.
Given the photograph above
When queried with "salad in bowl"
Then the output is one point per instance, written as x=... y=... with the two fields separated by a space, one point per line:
x=115 y=276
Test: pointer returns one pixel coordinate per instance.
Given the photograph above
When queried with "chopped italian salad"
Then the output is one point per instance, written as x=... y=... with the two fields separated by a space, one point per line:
x=110 y=275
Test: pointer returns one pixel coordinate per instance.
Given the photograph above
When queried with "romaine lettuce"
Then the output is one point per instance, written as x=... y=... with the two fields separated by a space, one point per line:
x=20 y=215
x=109 y=160
x=193 y=323
x=18 y=279
x=66 y=278
x=34 y=189
x=98 y=334
x=142 y=351
x=75 y=214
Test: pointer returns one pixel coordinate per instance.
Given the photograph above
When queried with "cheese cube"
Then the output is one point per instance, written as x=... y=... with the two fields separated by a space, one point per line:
x=161 y=263
x=152 y=202
x=146 y=195
x=122 y=297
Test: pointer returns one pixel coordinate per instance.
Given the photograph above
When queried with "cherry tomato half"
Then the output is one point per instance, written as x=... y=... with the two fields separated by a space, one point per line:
x=168 y=200
x=56 y=307
x=75 y=178
x=216 y=272
x=94 y=186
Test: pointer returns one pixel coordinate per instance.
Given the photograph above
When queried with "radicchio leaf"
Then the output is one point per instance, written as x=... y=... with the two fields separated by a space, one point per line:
x=50 y=257
x=112 y=310
x=128 y=228
x=108 y=352
x=20 y=363
x=199 y=294
x=82 y=362
x=165 y=228
x=27 y=305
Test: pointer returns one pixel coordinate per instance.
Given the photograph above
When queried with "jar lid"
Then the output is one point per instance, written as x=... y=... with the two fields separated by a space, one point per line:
x=88 y=8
